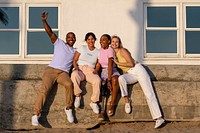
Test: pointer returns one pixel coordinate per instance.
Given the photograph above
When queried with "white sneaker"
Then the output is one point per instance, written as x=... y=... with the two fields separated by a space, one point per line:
x=77 y=102
x=94 y=107
x=35 y=120
x=69 y=114
x=159 y=122
x=128 y=107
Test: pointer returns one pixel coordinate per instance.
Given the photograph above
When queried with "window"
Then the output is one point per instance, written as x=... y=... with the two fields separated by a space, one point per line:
x=10 y=33
x=161 y=31
x=37 y=39
x=192 y=30
x=172 y=32
x=24 y=38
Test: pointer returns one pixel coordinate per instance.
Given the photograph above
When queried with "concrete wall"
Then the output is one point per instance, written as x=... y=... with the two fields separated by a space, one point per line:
x=177 y=89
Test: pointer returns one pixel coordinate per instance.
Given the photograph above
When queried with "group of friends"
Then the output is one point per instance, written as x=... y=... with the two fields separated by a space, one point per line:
x=87 y=61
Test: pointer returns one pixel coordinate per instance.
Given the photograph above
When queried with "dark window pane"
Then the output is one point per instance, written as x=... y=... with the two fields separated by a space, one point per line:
x=161 y=41
x=9 y=42
x=193 y=17
x=192 y=42
x=161 y=16
x=35 y=17
x=12 y=14
x=39 y=43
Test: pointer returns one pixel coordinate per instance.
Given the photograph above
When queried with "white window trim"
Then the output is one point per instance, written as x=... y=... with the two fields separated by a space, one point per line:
x=181 y=58
x=10 y=56
x=22 y=57
x=160 y=55
x=38 y=56
x=188 y=29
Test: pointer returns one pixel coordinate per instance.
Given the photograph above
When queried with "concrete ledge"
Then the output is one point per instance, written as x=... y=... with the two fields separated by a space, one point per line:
x=156 y=72
x=179 y=102
x=21 y=71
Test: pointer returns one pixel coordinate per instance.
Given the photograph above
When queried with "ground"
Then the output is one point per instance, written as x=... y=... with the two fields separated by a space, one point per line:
x=133 y=127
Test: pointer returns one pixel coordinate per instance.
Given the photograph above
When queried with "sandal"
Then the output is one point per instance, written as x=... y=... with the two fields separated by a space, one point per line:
x=111 y=109
x=101 y=116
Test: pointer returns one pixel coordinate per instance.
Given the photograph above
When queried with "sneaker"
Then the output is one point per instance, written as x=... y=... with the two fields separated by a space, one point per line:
x=159 y=122
x=69 y=114
x=128 y=107
x=94 y=107
x=77 y=102
x=35 y=120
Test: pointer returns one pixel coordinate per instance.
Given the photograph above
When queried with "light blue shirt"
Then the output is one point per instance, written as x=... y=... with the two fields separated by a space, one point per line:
x=87 y=57
x=63 y=56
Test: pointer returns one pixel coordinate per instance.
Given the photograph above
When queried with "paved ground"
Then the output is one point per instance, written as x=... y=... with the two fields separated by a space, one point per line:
x=134 y=127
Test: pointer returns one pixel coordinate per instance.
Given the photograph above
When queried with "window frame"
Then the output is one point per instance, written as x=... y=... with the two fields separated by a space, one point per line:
x=23 y=57
x=146 y=28
x=11 y=56
x=181 y=58
x=38 y=56
x=188 y=29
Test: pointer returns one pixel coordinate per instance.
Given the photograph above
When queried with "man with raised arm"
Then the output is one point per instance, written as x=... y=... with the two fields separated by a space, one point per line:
x=57 y=71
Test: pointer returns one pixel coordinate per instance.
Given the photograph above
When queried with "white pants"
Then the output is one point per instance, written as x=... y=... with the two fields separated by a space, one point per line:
x=138 y=73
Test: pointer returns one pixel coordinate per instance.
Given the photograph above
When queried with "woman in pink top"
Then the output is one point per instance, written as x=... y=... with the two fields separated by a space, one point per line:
x=109 y=70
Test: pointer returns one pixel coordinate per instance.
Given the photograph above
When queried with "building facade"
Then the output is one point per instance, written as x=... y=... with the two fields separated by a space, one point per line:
x=154 y=31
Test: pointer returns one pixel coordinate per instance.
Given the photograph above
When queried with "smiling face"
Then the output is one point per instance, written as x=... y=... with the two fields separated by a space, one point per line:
x=115 y=43
x=104 y=41
x=70 y=39
x=90 y=41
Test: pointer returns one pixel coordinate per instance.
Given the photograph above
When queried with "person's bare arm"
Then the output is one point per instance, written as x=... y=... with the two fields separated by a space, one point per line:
x=97 y=67
x=110 y=69
x=127 y=56
x=76 y=57
x=47 y=28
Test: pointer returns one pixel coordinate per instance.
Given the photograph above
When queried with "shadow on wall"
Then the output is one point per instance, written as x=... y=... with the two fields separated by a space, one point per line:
x=8 y=85
x=137 y=14
x=8 y=94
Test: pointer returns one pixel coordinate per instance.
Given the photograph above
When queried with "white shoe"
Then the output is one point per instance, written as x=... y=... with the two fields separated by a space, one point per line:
x=128 y=107
x=94 y=107
x=35 y=120
x=69 y=114
x=159 y=122
x=77 y=102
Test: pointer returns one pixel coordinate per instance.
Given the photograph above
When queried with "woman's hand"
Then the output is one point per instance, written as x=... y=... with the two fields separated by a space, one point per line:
x=115 y=60
x=95 y=72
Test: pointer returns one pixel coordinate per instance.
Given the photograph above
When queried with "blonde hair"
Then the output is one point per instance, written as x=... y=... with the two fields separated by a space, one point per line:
x=120 y=42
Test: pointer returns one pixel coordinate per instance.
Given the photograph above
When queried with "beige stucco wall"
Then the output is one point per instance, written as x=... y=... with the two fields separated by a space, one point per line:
x=121 y=17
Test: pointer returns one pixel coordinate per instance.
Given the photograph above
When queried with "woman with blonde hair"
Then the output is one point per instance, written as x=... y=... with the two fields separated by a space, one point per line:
x=134 y=72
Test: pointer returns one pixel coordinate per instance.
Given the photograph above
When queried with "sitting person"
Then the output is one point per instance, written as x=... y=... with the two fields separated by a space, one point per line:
x=133 y=72
x=57 y=71
x=86 y=68
x=109 y=70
